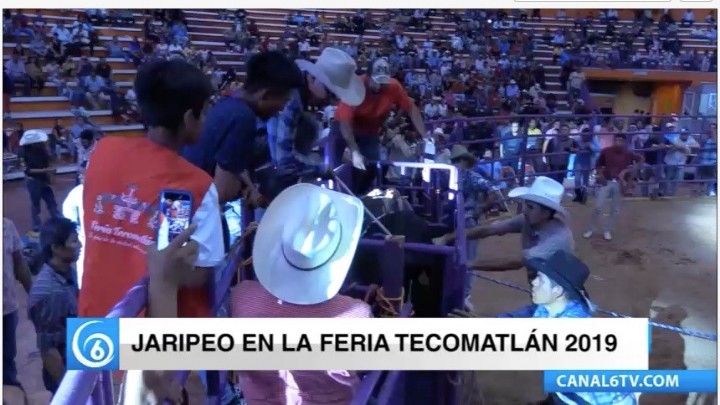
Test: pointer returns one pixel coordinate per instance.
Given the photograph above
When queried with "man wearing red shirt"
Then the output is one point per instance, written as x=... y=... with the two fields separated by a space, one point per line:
x=611 y=167
x=360 y=126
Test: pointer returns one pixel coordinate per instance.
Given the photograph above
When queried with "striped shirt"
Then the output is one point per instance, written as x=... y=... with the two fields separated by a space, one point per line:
x=287 y=387
x=53 y=298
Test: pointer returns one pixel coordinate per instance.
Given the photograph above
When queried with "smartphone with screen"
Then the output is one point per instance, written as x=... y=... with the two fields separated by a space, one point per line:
x=175 y=208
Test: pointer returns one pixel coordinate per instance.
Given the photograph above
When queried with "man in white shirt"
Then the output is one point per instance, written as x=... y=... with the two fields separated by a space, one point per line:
x=63 y=34
x=575 y=82
x=431 y=110
x=675 y=160
x=688 y=19
x=15 y=68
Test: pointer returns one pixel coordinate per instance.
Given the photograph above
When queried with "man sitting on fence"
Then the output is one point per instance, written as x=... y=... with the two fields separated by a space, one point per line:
x=558 y=291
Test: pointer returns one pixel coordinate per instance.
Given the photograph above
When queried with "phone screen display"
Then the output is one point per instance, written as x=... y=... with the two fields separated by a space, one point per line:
x=175 y=215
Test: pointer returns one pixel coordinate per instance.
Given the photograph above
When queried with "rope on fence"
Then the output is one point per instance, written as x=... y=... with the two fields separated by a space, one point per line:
x=682 y=331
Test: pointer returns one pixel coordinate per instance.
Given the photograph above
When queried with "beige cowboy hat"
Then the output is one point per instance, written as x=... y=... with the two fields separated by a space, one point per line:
x=302 y=256
x=336 y=70
x=544 y=191
x=461 y=152
x=33 y=136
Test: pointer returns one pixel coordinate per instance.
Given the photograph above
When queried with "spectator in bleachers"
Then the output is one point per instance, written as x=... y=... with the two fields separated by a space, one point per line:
x=95 y=88
x=35 y=73
x=688 y=18
x=62 y=33
x=15 y=68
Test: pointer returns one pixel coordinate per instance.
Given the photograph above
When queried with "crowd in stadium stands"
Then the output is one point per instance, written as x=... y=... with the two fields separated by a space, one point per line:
x=486 y=67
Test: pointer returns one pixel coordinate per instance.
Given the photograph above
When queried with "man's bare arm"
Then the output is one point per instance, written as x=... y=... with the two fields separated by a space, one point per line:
x=501 y=264
x=22 y=271
x=229 y=185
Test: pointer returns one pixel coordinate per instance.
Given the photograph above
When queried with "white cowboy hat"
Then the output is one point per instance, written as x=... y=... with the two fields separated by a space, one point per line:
x=336 y=70
x=33 y=136
x=306 y=242
x=544 y=191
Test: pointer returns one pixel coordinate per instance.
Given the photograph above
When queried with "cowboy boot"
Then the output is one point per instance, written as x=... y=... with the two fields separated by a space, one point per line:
x=578 y=195
x=583 y=196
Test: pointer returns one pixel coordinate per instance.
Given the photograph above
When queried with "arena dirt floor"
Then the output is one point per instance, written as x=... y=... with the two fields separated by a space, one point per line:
x=662 y=263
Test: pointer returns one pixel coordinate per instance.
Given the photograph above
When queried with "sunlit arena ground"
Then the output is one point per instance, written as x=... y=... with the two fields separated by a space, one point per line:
x=662 y=263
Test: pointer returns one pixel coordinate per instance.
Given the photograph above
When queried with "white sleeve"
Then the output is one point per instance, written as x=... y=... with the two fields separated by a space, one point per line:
x=73 y=202
x=209 y=232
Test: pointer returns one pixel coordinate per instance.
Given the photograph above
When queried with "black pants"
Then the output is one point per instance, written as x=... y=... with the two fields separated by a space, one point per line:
x=41 y=191
x=560 y=172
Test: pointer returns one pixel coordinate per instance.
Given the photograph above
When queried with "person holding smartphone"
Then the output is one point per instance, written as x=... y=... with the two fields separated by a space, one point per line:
x=123 y=188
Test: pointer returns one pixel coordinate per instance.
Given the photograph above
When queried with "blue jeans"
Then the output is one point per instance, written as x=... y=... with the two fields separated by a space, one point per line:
x=471 y=255
x=672 y=172
x=41 y=191
x=581 y=172
x=10 y=323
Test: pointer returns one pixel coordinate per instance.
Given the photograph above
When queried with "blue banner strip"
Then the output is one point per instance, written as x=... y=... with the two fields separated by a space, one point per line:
x=643 y=381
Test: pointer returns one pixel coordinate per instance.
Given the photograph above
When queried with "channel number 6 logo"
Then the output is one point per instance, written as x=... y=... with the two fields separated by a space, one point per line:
x=93 y=343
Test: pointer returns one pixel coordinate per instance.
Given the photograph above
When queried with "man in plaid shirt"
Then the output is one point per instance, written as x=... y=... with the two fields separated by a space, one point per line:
x=292 y=133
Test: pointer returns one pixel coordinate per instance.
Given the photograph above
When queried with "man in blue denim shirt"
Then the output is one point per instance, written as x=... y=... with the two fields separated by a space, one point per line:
x=558 y=291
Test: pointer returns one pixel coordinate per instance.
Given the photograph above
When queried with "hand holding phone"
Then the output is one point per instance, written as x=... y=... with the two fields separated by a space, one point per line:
x=175 y=208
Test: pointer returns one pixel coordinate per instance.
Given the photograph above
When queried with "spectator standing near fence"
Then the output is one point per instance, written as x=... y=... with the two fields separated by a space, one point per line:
x=611 y=167
x=675 y=159
x=708 y=159
x=53 y=297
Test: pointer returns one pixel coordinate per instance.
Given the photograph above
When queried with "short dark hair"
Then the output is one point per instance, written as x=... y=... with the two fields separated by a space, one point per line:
x=54 y=232
x=621 y=136
x=167 y=89
x=272 y=71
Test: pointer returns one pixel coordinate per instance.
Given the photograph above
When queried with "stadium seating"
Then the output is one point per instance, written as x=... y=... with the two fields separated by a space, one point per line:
x=206 y=32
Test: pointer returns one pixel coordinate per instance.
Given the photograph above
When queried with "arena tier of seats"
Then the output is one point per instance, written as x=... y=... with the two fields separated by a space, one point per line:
x=206 y=32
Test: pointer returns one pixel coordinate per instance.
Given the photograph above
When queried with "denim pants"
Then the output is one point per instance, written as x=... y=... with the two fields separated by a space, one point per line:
x=672 y=172
x=10 y=323
x=581 y=172
x=471 y=247
x=612 y=192
x=41 y=191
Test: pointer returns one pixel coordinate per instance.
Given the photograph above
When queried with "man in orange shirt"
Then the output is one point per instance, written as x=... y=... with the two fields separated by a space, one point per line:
x=123 y=184
x=360 y=126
